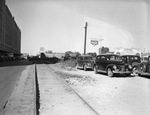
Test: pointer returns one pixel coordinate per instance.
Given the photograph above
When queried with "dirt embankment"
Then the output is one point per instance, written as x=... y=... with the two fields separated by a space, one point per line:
x=67 y=65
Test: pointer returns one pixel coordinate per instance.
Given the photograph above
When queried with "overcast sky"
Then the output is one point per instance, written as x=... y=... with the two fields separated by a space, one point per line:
x=58 y=25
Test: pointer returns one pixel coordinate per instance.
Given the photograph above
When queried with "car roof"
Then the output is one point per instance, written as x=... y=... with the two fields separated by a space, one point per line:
x=108 y=55
x=130 y=55
x=85 y=56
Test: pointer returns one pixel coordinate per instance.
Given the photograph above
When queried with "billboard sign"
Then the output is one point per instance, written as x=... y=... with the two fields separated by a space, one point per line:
x=94 y=42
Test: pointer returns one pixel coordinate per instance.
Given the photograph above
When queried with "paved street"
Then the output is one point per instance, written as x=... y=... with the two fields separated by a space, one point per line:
x=8 y=78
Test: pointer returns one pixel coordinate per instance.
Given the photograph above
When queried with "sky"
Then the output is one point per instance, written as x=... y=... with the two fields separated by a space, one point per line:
x=58 y=25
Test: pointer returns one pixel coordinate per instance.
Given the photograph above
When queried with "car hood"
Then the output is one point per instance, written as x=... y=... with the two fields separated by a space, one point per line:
x=89 y=60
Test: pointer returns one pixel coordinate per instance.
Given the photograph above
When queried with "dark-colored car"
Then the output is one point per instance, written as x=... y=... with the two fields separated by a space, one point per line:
x=111 y=64
x=144 y=67
x=85 y=62
x=133 y=60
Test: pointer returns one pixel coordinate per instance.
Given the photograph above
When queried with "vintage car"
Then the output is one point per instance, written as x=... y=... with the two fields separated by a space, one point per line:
x=144 y=67
x=133 y=60
x=111 y=64
x=85 y=62
x=144 y=59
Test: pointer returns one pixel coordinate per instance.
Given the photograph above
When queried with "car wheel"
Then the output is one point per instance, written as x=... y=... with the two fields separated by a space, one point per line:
x=134 y=71
x=95 y=70
x=139 y=74
x=77 y=67
x=109 y=72
x=84 y=67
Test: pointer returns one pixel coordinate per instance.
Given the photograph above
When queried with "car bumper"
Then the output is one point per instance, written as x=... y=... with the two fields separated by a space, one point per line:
x=122 y=72
x=88 y=67
x=144 y=73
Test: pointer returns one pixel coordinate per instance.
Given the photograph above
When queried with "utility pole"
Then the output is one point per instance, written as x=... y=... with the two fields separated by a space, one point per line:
x=85 y=38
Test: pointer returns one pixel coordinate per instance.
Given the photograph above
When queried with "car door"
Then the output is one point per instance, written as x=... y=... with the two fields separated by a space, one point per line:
x=81 y=61
x=101 y=62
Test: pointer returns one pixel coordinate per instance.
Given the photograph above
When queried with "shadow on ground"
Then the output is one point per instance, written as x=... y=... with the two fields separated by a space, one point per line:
x=52 y=60
x=29 y=62
x=145 y=76
x=16 y=63
x=118 y=75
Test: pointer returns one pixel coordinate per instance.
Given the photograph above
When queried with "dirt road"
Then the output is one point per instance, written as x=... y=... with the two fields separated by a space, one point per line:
x=110 y=96
x=56 y=98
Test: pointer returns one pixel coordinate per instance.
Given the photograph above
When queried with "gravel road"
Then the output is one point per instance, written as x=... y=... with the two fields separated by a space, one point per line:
x=56 y=98
x=110 y=96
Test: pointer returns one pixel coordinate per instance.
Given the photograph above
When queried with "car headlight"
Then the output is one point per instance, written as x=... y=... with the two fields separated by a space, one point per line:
x=130 y=67
x=115 y=67
x=88 y=64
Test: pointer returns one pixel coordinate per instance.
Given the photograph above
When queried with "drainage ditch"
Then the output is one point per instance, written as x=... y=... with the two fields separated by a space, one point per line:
x=37 y=92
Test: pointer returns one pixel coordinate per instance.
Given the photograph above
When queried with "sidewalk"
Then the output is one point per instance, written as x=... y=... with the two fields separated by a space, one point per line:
x=22 y=100
x=56 y=98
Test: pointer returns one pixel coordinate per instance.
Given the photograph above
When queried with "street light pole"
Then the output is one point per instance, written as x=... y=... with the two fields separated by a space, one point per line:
x=85 y=38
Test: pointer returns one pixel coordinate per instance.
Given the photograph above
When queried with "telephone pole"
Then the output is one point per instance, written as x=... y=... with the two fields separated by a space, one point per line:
x=85 y=38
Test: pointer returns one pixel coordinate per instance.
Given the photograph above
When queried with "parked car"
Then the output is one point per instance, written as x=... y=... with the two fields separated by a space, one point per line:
x=111 y=64
x=144 y=58
x=133 y=60
x=144 y=67
x=85 y=62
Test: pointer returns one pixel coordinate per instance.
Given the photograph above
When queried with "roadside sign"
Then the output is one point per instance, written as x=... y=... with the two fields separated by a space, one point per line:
x=94 y=42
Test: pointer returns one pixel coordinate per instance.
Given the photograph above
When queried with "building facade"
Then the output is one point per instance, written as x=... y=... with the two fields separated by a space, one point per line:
x=10 y=34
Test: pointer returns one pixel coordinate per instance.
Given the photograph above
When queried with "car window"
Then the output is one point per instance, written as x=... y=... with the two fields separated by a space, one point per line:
x=114 y=58
x=98 y=58
x=118 y=58
x=135 y=58
x=148 y=58
x=80 y=58
x=102 y=58
x=145 y=59
x=124 y=59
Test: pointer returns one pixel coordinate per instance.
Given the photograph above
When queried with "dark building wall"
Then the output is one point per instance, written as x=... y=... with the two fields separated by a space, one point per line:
x=10 y=34
x=1 y=16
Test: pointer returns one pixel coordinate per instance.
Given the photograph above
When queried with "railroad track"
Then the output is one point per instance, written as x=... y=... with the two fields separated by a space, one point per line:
x=70 y=88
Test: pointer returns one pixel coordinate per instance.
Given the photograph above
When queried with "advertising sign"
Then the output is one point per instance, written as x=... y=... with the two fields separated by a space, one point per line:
x=94 y=42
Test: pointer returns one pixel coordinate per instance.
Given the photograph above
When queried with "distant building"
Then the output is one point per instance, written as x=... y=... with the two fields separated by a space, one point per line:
x=103 y=50
x=128 y=51
x=54 y=54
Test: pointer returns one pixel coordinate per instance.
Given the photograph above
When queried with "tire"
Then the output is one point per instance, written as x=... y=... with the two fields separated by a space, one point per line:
x=110 y=73
x=95 y=70
x=77 y=66
x=139 y=74
x=84 y=67
x=134 y=71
